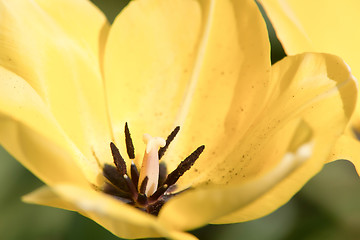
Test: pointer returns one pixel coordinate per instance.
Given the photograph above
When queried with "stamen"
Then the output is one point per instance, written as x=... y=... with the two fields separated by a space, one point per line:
x=113 y=175
x=178 y=172
x=155 y=208
x=134 y=174
x=143 y=185
x=129 y=143
x=160 y=191
x=141 y=190
x=118 y=159
x=142 y=199
x=162 y=173
x=130 y=185
x=168 y=141
x=184 y=166
x=112 y=190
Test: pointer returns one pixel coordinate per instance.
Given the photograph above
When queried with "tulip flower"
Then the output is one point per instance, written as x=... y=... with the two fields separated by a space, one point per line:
x=167 y=120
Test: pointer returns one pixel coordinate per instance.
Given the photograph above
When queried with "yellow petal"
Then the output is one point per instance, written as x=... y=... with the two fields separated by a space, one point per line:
x=304 y=87
x=213 y=202
x=317 y=88
x=121 y=219
x=348 y=148
x=30 y=133
x=56 y=46
x=47 y=197
x=319 y=26
x=197 y=64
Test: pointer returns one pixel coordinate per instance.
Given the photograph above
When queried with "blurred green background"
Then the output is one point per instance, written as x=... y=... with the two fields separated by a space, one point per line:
x=328 y=207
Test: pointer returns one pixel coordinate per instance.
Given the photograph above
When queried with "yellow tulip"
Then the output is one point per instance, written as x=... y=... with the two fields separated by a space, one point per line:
x=328 y=27
x=70 y=83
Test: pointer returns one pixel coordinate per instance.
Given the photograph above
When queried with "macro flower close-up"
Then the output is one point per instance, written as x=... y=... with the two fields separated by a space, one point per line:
x=168 y=119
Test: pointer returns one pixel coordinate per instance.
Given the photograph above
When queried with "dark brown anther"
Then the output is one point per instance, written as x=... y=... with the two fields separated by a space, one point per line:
x=130 y=185
x=115 y=191
x=168 y=141
x=128 y=188
x=160 y=191
x=162 y=173
x=142 y=199
x=155 y=208
x=143 y=185
x=118 y=159
x=134 y=174
x=113 y=175
x=129 y=143
x=184 y=166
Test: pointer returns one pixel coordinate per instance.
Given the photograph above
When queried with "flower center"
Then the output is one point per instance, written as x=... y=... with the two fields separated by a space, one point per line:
x=150 y=189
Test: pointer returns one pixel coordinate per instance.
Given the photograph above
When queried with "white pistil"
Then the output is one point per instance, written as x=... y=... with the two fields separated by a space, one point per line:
x=150 y=164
